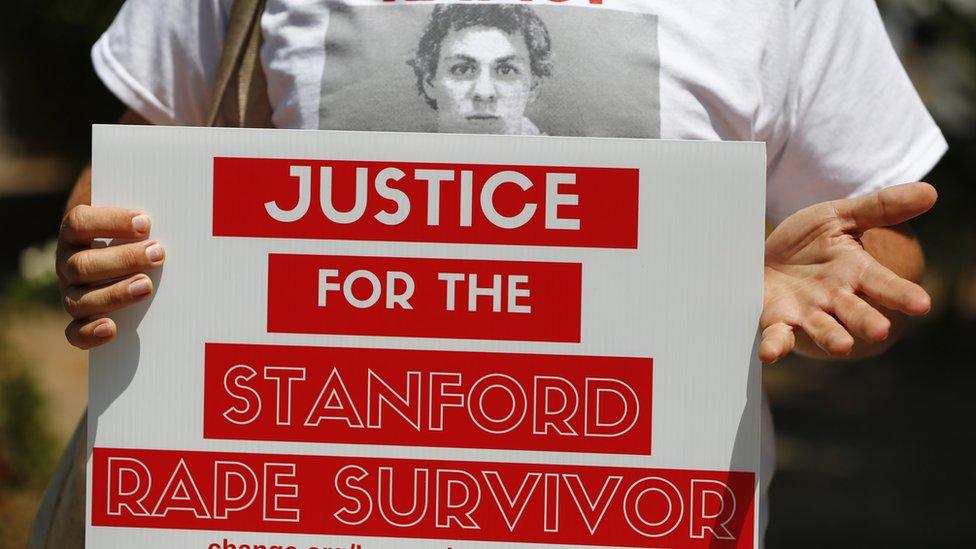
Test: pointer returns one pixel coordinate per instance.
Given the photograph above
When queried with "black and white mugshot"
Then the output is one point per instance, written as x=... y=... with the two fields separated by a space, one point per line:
x=489 y=68
x=480 y=67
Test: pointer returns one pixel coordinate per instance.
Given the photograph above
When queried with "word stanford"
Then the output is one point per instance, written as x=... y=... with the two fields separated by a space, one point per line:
x=426 y=202
x=455 y=399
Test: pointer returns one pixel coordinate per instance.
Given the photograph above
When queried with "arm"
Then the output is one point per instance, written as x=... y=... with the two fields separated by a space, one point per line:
x=81 y=192
x=840 y=275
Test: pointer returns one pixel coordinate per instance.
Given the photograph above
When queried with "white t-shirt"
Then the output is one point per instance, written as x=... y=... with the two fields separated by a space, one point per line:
x=817 y=80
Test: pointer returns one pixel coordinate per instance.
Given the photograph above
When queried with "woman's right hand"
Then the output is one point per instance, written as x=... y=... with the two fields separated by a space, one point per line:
x=97 y=281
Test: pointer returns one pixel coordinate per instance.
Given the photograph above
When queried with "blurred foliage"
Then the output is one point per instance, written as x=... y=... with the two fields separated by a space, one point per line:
x=49 y=91
x=27 y=451
x=937 y=42
x=36 y=281
x=16 y=291
x=49 y=97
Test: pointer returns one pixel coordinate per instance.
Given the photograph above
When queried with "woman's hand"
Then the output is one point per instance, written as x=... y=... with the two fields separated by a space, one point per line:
x=821 y=280
x=97 y=281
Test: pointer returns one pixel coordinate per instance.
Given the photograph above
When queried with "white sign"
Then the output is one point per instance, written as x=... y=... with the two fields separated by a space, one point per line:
x=379 y=340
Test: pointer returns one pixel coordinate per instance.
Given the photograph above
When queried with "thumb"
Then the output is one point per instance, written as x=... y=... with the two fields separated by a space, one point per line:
x=887 y=207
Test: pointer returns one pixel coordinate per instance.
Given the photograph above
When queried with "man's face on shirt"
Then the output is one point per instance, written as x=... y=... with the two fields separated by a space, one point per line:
x=483 y=81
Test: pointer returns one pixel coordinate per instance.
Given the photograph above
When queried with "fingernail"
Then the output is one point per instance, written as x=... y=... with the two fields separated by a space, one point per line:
x=154 y=253
x=140 y=287
x=102 y=330
x=140 y=223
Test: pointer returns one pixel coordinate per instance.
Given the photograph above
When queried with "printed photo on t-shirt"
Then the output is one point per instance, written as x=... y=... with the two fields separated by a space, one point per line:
x=491 y=68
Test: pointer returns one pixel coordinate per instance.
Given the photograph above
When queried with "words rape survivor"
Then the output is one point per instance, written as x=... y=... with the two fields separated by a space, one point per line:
x=503 y=502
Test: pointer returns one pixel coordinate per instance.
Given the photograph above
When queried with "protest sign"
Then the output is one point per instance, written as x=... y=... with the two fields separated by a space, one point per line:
x=378 y=340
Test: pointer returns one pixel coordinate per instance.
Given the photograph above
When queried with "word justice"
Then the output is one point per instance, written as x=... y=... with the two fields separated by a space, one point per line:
x=492 y=403
x=398 y=206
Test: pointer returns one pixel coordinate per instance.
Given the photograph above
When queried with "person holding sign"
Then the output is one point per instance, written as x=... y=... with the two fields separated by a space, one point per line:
x=807 y=78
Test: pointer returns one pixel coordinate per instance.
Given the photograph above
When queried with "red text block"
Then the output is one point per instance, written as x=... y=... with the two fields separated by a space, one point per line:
x=425 y=202
x=412 y=297
x=428 y=398
x=432 y=499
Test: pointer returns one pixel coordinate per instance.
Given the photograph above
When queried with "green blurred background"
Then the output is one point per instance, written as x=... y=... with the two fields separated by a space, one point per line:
x=869 y=454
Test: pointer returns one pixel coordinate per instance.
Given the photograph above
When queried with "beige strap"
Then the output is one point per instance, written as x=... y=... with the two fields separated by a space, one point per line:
x=240 y=96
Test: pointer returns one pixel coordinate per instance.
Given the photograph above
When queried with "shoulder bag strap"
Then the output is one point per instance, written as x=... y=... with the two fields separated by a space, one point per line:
x=240 y=96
